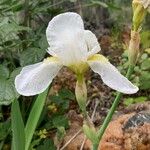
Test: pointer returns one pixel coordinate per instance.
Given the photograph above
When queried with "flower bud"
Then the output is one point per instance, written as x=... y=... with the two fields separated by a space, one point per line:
x=90 y=133
x=140 y=8
x=81 y=93
x=133 y=50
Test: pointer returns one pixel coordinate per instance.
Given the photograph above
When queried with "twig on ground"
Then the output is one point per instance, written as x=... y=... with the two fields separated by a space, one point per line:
x=73 y=137
x=94 y=111
x=82 y=145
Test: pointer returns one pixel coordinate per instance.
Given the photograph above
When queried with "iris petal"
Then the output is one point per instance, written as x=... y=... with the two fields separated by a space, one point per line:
x=110 y=75
x=65 y=35
x=92 y=43
x=34 y=79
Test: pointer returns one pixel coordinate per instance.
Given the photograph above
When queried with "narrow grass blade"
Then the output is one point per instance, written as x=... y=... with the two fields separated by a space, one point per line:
x=34 y=117
x=17 y=127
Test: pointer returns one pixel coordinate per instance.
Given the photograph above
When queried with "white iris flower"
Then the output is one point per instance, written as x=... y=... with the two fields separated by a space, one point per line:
x=72 y=46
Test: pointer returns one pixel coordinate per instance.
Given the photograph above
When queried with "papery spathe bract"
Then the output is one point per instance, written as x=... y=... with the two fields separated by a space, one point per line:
x=144 y=3
x=72 y=46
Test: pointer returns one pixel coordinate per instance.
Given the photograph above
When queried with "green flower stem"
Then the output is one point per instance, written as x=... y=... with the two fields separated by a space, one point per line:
x=112 y=110
x=95 y=146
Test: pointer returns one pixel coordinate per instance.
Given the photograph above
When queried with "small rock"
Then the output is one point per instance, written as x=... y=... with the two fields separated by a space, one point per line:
x=127 y=132
x=137 y=120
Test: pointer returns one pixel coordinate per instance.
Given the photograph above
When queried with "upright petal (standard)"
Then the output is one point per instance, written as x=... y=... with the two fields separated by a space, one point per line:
x=92 y=43
x=65 y=35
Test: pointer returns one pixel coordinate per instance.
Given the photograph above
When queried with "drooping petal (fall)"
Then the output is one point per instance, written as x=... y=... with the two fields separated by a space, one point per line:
x=34 y=79
x=65 y=35
x=92 y=43
x=110 y=75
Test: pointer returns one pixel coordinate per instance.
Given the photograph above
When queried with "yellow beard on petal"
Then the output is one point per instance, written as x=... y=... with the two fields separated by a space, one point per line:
x=98 y=57
x=79 y=68
x=51 y=59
